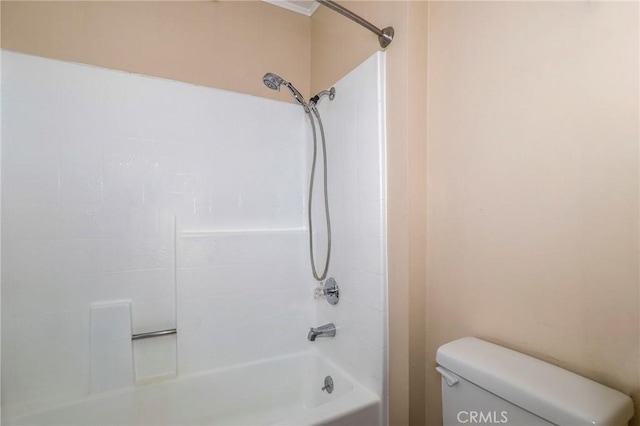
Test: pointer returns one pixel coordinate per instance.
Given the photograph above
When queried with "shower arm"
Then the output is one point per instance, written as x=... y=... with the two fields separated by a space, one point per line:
x=331 y=93
x=385 y=35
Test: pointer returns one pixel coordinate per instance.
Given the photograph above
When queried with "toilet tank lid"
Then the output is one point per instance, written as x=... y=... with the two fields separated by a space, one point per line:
x=557 y=395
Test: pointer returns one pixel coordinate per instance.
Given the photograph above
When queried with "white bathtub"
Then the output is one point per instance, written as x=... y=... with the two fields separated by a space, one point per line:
x=281 y=391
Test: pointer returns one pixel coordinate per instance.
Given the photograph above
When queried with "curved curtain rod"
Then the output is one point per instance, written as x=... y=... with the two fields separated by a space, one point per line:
x=385 y=35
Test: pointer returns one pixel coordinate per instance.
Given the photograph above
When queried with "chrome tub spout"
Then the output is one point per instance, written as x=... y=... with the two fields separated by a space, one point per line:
x=327 y=330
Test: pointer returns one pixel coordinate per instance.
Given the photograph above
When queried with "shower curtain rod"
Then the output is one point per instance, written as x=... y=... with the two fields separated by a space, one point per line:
x=385 y=35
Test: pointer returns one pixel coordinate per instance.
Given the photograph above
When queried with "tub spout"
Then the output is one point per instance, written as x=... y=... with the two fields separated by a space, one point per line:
x=327 y=330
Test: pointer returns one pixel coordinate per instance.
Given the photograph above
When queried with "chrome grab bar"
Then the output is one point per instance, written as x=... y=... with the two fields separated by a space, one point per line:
x=154 y=334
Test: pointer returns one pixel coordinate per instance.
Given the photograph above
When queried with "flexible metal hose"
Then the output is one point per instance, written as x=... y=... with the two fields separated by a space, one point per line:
x=326 y=196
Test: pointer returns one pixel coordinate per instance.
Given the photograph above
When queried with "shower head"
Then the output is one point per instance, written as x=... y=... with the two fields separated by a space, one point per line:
x=274 y=81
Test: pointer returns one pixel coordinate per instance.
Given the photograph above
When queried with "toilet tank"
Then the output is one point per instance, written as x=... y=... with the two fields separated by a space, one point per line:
x=483 y=383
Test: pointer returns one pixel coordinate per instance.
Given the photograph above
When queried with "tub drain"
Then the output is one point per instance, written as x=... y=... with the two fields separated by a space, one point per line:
x=328 y=384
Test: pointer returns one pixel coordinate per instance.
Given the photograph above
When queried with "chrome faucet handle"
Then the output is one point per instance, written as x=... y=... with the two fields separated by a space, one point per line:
x=329 y=290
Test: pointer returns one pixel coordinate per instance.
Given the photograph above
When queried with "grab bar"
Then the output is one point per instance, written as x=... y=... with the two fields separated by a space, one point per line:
x=154 y=334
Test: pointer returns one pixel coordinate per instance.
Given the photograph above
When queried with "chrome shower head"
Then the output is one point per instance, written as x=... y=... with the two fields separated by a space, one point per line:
x=274 y=81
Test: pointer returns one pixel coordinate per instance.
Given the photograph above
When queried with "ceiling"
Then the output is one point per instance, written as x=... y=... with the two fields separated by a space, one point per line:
x=302 y=7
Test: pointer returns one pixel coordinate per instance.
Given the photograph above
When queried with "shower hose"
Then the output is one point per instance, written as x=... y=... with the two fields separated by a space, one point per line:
x=326 y=197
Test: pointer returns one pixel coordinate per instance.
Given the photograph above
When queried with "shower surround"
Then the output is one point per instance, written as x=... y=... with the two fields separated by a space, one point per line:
x=134 y=204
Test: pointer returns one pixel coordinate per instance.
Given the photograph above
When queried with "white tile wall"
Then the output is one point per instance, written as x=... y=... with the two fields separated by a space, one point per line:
x=242 y=296
x=356 y=147
x=96 y=164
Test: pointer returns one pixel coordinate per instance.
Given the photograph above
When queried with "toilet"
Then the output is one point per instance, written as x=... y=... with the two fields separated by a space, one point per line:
x=483 y=383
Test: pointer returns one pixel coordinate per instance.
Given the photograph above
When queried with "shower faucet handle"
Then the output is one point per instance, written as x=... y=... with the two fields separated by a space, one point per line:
x=329 y=290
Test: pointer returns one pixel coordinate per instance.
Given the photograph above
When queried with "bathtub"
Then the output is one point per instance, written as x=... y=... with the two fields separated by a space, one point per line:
x=280 y=391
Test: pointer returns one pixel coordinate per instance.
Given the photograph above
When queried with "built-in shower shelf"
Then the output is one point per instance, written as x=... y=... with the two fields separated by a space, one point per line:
x=188 y=233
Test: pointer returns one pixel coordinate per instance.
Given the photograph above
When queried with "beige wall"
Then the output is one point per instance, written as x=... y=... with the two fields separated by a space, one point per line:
x=227 y=45
x=533 y=184
x=417 y=191
x=337 y=46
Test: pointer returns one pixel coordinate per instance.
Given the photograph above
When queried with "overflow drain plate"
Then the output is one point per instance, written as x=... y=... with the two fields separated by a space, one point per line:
x=328 y=384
